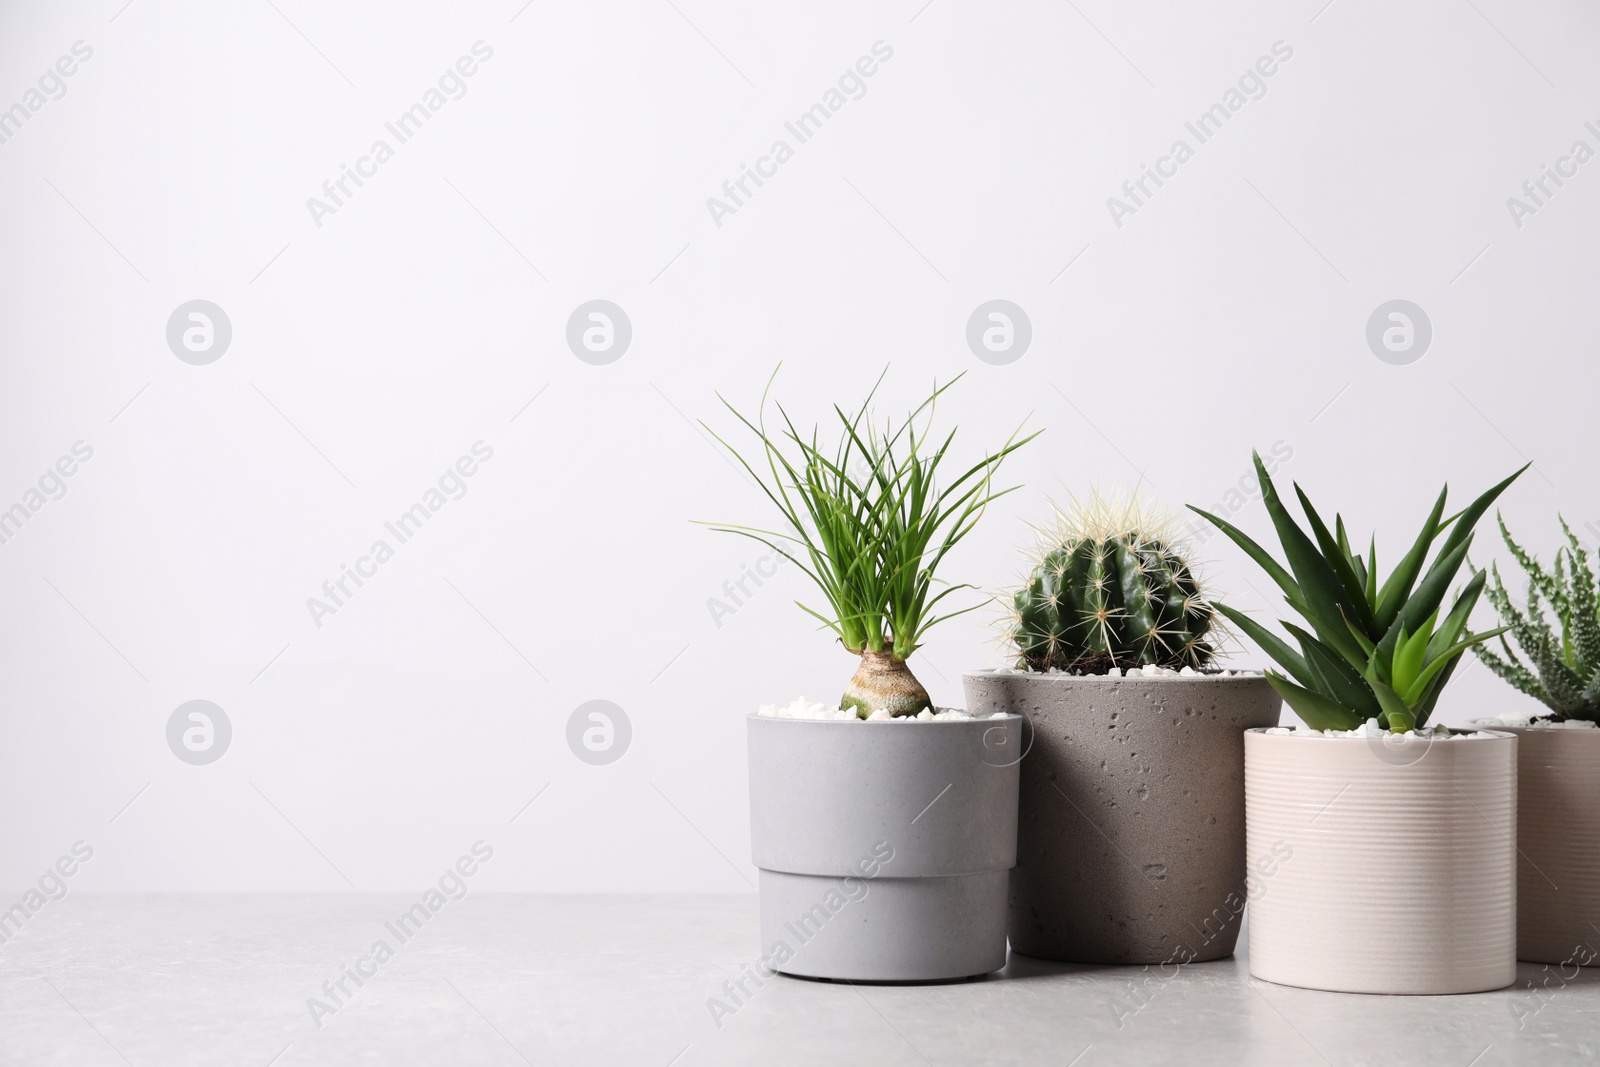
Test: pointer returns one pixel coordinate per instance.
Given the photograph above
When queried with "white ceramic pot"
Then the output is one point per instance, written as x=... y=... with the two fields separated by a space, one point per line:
x=1382 y=866
x=884 y=847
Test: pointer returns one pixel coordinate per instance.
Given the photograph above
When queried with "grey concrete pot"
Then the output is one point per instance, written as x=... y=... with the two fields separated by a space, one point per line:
x=1385 y=865
x=1130 y=843
x=1558 y=838
x=883 y=846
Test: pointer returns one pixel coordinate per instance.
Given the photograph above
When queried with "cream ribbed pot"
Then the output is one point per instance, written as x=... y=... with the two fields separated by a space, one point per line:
x=1558 y=835
x=1382 y=865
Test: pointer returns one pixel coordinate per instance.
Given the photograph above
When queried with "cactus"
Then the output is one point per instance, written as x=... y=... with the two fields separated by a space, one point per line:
x=1111 y=590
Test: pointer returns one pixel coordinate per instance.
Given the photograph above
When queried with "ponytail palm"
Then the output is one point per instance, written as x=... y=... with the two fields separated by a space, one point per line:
x=869 y=520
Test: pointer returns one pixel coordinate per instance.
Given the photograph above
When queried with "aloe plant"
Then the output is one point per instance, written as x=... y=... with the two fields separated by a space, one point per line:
x=1565 y=674
x=870 y=524
x=1375 y=650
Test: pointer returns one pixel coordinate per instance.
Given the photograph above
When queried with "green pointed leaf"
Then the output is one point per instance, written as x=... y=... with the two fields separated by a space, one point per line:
x=1320 y=590
x=1530 y=566
x=1262 y=557
x=1429 y=593
x=1367 y=647
x=1398 y=586
x=1316 y=710
x=1455 y=623
x=1359 y=565
x=1424 y=707
x=1413 y=693
x=1512 y=672
x=1469 y=515
x=1274 y=646
x=1336 y=552
x=1335 y=678
x=1397 y=714
x=1585 y=598
x=1409 y=655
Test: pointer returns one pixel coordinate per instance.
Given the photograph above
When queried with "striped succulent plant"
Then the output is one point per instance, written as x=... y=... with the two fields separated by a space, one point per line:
x=1374 y=651
x=1565 y=673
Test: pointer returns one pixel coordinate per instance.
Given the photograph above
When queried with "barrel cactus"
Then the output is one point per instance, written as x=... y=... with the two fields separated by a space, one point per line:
x=1111 y=589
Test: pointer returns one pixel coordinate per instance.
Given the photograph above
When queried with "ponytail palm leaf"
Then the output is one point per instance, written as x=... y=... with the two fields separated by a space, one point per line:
x=870 y=520
x=1373 y=650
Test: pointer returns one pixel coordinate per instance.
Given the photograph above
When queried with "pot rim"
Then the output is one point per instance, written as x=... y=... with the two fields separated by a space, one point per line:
x=1538 y=730
x=1496 y=734
x=756 y=716
x=997 y=672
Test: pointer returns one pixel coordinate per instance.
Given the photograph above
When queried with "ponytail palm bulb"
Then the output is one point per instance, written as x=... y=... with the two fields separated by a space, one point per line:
x=869 y=519
x=1374 y=650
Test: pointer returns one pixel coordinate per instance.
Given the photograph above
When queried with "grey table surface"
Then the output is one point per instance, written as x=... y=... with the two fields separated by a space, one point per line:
x=509 y=979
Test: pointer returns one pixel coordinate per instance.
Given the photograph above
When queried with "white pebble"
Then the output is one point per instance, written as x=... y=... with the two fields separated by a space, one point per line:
x=1534 y=720
x=1370 y=729
x=802 y=708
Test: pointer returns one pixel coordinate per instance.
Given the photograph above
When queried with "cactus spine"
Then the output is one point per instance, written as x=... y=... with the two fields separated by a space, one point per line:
x=1111 y=589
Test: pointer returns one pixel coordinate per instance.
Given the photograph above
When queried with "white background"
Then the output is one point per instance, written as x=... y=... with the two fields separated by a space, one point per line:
x=372 y=351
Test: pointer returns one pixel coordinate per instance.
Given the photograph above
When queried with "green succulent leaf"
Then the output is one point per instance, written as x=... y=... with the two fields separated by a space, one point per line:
x=1429 y=593
x=1397 y=714
x=1398 y=586
x=1320 y=591
x=1424 y=707
x=1336 y=551
x=1512 y=671
x=1333 y=677
x=1385 y=650
x=1409 y=655
x=1368 y=649
x=1263 y=558
x=1584 y=630
x=1315 y=710
x=1414 y=692
x=1455 y=623
x=1275 y=646
x=1467 y=518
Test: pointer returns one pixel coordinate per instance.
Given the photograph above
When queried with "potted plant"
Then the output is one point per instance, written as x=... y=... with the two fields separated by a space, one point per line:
x=1367 y=818
x=883 y=827
x=1130 y=839
x=1558 y=755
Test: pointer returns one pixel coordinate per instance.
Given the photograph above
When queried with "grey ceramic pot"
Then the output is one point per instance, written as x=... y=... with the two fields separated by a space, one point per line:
x=1558 y=841
x=883 y=846
x=1130 y=841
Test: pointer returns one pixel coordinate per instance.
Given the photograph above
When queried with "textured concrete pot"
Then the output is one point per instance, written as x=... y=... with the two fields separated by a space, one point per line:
x=1384 y=867
x=1558 y=837
x=883 y=846
x=1130 y=837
